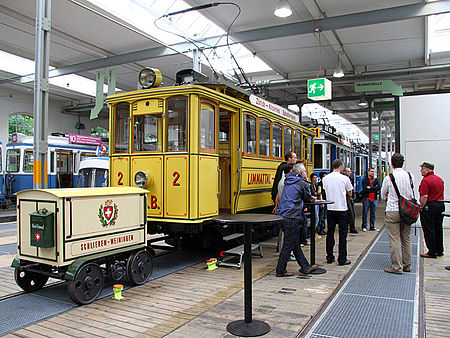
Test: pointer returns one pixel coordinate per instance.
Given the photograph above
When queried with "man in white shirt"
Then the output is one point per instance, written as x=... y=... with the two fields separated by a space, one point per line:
x=337 y=186
x=398 y=231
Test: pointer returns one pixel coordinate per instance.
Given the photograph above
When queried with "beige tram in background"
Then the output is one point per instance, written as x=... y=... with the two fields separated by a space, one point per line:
x=201 y=149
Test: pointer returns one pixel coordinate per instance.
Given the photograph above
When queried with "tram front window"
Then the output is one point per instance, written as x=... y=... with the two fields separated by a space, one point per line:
x=12 y=160
x=208 y=126
x=147 y=132
x=121 y=125
x=176 y=123
x=92 y=177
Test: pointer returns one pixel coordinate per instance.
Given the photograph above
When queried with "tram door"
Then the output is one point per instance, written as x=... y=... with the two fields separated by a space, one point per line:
x=64 y=169
x=225 y=155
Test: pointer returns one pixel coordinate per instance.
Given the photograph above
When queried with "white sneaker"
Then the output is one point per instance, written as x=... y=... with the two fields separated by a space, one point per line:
x=364 y=229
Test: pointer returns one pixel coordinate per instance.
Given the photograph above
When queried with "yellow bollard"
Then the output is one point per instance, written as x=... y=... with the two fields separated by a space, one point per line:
x=211 y=263
x=117 y=288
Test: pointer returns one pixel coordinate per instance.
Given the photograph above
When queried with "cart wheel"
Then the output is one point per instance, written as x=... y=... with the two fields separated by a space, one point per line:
x=87 y=284
x=29 y=281
x=139 y=267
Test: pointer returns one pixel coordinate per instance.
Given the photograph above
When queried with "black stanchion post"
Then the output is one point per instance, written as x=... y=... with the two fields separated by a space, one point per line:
x=312 y=232
x=247 y=273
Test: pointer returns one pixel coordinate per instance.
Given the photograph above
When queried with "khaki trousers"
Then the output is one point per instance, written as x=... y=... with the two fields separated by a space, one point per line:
x=399 y=239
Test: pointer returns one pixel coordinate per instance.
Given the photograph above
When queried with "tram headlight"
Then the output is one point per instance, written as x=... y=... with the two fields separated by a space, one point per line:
x=150 y=77
x=141 y=179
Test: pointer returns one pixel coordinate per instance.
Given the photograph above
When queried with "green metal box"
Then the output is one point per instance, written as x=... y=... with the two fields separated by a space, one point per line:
x=42 y=226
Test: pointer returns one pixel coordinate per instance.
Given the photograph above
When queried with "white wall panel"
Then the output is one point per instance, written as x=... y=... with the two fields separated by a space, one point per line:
x=425 y=136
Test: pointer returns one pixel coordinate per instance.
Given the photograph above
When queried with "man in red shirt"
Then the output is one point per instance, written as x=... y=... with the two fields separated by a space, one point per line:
x=431 y=192
x=370 y=186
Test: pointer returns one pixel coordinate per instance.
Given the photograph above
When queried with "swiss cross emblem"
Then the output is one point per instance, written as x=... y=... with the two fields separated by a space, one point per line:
x=108 y=213
x=38 y=237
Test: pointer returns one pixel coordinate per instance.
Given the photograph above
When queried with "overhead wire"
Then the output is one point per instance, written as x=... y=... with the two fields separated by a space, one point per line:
x=227 y=34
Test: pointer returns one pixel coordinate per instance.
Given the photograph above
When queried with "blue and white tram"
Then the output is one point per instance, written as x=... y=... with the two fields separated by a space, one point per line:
x=326 y=151
x=93 y=172
x=63 y=160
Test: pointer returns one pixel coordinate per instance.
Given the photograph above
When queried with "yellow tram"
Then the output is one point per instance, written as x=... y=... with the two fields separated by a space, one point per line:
x=200 y=149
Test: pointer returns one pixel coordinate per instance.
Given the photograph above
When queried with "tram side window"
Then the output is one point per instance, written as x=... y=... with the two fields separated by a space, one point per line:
x=208 y=126
x=1 y=161
x=52 y=162
x=309 y=152
x=121 y=127
x=176 y=123
x=287 y=140
x=297 y=143
x=358 y=166
x=12 y=160
x=264 y=137
x=249 y=134
x=147 y=132
x=318 y=158
x=277 y=137
x=305 y=148
x=28 y=160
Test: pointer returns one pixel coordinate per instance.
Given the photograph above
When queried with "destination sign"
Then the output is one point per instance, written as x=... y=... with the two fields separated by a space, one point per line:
x=273 y=108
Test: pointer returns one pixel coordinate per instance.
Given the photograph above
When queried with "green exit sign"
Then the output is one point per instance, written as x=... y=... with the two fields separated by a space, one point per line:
x=377 y=137
x=319 y=89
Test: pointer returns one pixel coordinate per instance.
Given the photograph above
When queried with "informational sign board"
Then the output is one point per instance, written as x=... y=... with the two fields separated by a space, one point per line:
x=319 y=89
x=379 y=85
x=83 y=139
x=273 y=108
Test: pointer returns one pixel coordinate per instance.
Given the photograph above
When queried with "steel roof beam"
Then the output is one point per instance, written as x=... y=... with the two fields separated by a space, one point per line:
x=325 y=24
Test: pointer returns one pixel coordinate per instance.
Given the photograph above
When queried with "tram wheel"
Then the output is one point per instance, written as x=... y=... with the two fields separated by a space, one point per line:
x=87 y=284
x=29 y=281
x=139 y=267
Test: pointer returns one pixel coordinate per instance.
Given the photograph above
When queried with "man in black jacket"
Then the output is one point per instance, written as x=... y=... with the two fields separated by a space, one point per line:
x=290 y=157
x=369 y=194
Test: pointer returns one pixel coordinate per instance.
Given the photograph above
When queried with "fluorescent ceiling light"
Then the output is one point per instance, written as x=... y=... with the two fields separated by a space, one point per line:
x=282 y=9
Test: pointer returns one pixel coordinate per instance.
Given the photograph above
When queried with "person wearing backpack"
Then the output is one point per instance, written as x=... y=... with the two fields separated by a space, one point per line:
x=398 y=231
x=431 y=191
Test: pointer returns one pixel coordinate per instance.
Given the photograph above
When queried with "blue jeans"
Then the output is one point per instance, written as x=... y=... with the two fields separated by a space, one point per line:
x=372 y=205
x=291 y=242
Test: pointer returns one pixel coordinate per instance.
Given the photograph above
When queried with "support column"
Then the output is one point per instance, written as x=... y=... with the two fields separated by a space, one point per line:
x=397 y=124
x=369 y=122
x=380 y=160
x=41 y=88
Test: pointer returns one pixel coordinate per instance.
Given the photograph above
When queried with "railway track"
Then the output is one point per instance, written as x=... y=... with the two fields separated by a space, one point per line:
x=19 y=309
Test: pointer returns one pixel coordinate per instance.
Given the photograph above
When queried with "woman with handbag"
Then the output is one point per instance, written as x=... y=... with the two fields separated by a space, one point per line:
x=397 y=229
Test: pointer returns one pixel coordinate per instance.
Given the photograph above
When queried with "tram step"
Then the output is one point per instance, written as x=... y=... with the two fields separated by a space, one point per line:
x=239 y=252
x=233 y=236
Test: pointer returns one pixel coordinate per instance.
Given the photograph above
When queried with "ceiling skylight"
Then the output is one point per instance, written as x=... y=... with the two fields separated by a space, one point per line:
x=439 y=33
x=316 y=111
x=192 y=25
x=20 y=66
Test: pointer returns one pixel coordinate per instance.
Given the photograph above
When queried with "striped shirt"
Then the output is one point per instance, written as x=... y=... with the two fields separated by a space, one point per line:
x=404 y=186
